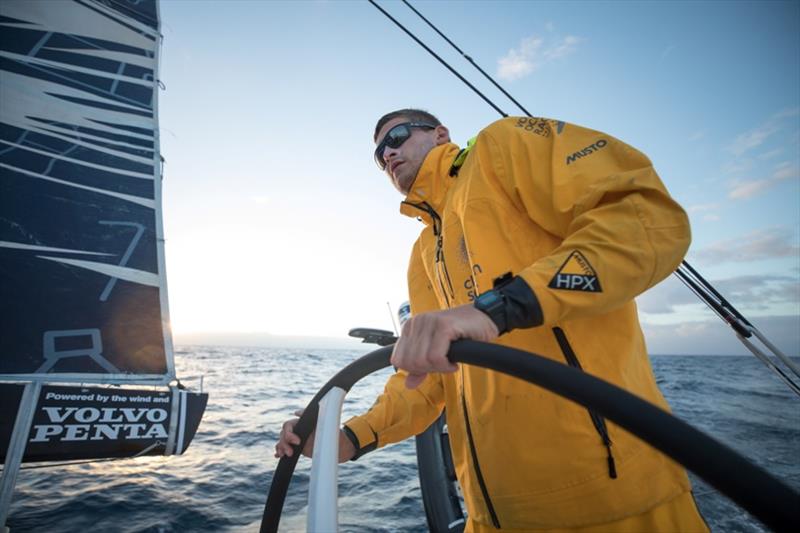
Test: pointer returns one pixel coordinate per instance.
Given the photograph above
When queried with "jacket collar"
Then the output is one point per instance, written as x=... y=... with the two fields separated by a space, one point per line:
x=432 y=183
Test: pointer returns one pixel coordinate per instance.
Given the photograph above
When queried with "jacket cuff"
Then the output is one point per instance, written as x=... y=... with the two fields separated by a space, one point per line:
x=359 y=432
x=521 y=304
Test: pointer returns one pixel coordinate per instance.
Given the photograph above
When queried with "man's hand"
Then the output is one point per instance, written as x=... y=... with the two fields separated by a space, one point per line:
x=289 y=438
x=426 y=338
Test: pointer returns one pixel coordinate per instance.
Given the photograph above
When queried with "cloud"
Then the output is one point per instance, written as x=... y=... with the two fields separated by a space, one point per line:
x=665 y=297
x=757 y=136
x=533 y=53
x=786 y=171
x=713 y=337
x=260 y=199
x=772 y=153
x=753 y=292
x=787 y=113
x=705 y=208
x=700 y=208
x=675 y=321
x=696 y=136
x=521 y=61
x=739 y=166
x=760 y=292
x=767 y=243
x=750 y=188
x=753 y=138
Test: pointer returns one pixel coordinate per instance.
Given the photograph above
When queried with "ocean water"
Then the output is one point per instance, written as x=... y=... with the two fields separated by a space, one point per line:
x=221 y=483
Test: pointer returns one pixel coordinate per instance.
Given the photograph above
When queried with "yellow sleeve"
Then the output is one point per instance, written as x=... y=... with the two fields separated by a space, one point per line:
x=622 y=232
x=399 y=412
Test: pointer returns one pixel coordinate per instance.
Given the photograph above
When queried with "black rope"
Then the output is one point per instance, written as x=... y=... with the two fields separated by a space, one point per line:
x=767 y=498
x=468 y=58
x=442 y=61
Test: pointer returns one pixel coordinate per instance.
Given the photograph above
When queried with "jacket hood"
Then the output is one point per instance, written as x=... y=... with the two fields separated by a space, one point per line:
x=432 y=183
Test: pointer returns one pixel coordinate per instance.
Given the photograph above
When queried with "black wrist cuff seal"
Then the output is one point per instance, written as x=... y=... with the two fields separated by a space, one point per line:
x=521 y=304
x=351 y=436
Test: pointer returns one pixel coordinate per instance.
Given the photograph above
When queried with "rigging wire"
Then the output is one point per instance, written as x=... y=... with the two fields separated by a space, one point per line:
x=738 y=322
x=685 y=272
x=717 y=295
x=442 y=61
x=468 y=58
x=742 y=327
x=743 y=332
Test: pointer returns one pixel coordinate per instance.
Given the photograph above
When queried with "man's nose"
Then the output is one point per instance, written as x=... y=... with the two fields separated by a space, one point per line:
x=388 y=153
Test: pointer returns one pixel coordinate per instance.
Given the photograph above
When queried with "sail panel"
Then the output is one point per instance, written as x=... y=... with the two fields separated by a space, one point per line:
x=72 y=423
x=83 y=292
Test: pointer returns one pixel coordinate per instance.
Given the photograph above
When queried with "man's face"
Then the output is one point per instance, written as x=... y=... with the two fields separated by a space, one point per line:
x=403 y=163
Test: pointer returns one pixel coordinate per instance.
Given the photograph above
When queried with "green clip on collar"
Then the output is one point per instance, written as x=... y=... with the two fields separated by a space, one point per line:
x=461 y=157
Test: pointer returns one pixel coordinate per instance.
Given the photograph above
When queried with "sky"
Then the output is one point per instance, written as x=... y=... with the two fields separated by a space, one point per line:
x=278 y=224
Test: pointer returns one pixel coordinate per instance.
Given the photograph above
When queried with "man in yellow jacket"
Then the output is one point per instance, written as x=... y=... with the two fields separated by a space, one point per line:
x=537 y=236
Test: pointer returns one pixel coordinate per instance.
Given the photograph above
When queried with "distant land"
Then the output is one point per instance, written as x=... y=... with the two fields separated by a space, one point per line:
x=697 y=338
x=266 y=340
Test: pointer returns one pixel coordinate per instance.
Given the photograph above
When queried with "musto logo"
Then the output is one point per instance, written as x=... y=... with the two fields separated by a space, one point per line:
x=589 y=150
x=105 y=423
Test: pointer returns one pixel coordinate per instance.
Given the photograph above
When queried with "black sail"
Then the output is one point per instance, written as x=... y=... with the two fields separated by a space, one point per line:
x=83 y=296
x=81 y=246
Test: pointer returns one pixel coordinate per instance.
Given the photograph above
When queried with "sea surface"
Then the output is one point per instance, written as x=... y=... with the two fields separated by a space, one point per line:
x=221 y=482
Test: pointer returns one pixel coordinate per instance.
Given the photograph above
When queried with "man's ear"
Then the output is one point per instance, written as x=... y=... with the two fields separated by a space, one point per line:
x=442 y=135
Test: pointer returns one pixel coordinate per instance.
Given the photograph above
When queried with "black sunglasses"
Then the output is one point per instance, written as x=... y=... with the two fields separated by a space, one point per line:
x=395 y=138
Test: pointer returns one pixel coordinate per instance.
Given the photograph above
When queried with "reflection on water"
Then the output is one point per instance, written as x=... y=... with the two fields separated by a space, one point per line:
x=221 y=483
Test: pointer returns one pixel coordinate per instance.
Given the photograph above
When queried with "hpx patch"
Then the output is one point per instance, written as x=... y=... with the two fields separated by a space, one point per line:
x=576 y=274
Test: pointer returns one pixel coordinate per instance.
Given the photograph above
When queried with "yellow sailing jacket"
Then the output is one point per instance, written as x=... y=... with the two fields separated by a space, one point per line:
x=586 y=222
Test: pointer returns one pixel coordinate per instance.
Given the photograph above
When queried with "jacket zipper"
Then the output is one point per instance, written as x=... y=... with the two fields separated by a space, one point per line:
x=475 y=462
x=446 y=285
x=597 y=420
x=447 y=291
